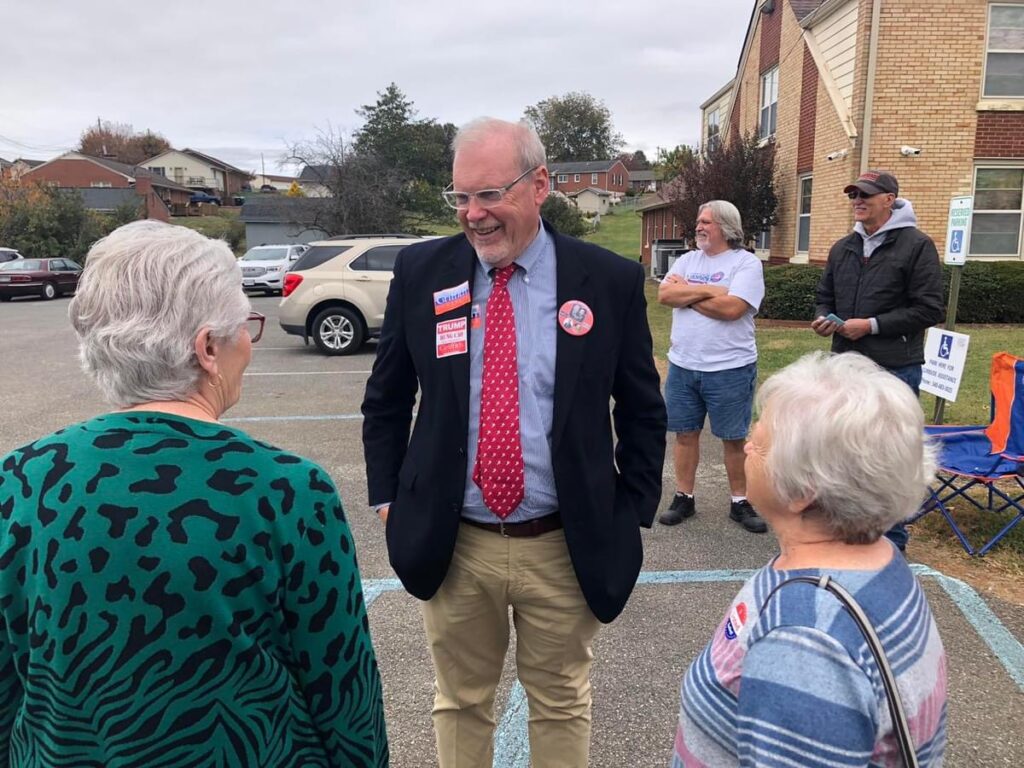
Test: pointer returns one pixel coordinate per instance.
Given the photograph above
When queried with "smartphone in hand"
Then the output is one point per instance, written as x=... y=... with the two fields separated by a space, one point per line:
x=834 y=318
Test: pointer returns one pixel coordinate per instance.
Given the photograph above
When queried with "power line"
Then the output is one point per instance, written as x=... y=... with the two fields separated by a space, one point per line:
x=20 y=145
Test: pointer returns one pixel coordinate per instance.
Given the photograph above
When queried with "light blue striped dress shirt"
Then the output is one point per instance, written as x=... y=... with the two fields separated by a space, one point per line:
x=534 y=301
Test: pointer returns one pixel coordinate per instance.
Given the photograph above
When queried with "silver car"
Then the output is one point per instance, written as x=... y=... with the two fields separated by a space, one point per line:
x=263 y=267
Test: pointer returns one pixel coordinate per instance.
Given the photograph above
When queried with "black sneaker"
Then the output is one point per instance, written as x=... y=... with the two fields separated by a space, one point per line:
x=747 y=516
x=682 y=507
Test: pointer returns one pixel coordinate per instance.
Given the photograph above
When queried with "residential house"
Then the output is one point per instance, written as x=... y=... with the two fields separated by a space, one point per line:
x=199 y=171
x=609 y=175
x=278 y=219
x=592 y=200
x=644 y=181
x=314 y=180
x=267 y=182
x=21 y=166
x=931 y=90
x=73 y=170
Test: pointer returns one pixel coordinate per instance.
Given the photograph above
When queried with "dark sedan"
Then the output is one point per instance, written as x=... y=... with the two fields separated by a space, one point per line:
x=38 y=277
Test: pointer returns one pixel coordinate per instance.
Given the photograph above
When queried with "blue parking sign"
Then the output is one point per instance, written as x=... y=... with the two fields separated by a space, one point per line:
x=945 y=346
x=956 y=241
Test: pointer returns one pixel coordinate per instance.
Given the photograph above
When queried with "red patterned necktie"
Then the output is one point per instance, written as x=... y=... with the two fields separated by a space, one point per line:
x=499 y=453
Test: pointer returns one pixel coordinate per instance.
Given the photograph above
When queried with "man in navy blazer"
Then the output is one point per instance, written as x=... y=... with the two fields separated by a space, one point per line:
x=567 y=556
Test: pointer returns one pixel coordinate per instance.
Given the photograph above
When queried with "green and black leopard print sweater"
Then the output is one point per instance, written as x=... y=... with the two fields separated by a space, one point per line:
x=176 y=593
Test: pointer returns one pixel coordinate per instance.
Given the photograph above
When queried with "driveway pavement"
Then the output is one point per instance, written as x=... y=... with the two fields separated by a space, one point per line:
x=308 y=403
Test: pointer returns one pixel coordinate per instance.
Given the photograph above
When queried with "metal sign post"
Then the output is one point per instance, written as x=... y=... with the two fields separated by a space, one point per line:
x=958 y=238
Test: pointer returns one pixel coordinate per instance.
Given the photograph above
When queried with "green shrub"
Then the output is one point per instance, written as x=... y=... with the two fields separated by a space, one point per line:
x=564 y=216
x=990 y=292
x=789 y=291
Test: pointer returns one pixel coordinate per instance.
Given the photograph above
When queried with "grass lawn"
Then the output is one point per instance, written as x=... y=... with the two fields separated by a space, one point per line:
x=932 y=542
x=619 y=232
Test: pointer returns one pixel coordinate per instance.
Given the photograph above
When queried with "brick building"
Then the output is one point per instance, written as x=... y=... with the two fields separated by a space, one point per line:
x=610 y=175
x=931 y=90
x=660 y=227
x=73 y=170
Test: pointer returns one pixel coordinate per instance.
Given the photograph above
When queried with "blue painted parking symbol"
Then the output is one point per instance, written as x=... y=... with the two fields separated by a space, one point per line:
x=956 y=242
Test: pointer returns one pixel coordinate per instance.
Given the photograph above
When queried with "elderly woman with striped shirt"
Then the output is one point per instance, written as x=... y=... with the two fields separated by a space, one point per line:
x=837 y=458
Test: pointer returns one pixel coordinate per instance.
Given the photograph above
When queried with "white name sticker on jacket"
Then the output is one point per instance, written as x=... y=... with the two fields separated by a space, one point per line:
x=452 y=338
x=451 y=298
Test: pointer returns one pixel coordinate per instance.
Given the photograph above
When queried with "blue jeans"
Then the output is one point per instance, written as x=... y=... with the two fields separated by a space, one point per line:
x=911 y=376
x=726 y=396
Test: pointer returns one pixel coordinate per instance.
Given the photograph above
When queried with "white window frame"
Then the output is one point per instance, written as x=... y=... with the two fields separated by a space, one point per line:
x=1020 y=226
x=770 y=102
x=988 y=51
x=100 y=184
x=576 y=177
x=563 y=178
x=763 y=243
x=801 y=215
x=712 y=119
x=593 y=179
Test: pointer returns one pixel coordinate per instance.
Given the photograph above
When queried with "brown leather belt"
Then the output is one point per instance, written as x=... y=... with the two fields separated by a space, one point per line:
x=535 y=527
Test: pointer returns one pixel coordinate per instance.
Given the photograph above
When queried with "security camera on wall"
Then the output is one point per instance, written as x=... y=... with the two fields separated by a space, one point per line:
x=837 y=155
x=910 y=151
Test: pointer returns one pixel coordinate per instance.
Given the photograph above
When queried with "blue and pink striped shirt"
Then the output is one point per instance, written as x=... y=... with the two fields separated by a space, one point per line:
x=796 y=685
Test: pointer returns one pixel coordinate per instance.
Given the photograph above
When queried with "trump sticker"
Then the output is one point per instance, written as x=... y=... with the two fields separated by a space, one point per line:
x=737 y=618
x=451 y=298
x=575 y=318
x=452 y=338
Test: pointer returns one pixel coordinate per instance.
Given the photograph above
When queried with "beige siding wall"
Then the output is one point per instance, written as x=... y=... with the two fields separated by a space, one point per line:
x=836 y=37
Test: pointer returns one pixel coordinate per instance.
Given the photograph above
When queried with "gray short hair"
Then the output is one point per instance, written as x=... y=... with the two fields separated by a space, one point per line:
x=850 y=435
x=147 y=290
x=528 y=144
x=727 y=216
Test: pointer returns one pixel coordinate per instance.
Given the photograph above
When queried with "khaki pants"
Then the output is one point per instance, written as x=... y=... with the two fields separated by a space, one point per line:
x=468 y=632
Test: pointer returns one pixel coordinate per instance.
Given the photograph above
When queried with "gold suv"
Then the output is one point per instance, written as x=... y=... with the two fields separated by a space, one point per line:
x=336 y=292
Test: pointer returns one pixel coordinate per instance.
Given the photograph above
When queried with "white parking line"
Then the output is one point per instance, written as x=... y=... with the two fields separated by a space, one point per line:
x=303 y=373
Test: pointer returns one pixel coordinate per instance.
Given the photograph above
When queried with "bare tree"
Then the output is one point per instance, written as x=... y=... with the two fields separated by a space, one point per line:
x=364 y=193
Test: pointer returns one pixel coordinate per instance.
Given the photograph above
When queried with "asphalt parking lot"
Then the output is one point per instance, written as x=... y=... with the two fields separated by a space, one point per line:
x=305 y=402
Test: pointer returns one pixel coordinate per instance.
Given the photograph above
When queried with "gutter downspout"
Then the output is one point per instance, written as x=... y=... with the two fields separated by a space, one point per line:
x=869 y=91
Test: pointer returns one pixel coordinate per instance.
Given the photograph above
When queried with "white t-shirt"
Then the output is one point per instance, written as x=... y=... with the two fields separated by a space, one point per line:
x=701 y=343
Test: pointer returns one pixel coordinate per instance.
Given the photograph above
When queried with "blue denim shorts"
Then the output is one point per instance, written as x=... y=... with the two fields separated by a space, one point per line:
x=727 y=396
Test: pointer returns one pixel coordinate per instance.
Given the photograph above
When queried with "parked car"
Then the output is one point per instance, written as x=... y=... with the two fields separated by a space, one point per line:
x=9 y=254
x=204 y=197
x=336 y=293
x=38 y=277
x=263 y=267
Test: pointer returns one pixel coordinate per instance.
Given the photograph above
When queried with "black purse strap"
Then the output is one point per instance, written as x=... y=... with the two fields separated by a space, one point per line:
x=899 y=717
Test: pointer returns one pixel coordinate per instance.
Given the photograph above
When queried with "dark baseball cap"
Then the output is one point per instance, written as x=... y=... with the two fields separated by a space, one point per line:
x=874 y=182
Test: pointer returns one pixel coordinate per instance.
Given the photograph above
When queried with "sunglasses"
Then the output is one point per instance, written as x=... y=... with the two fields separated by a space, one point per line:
x=860 y=194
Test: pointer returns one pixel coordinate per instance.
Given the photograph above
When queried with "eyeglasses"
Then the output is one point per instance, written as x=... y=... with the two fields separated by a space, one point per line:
x=862 y=194
x=485 y=198
x=254 y=325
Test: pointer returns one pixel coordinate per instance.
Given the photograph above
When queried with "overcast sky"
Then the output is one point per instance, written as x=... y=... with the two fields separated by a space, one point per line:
x=243 y=79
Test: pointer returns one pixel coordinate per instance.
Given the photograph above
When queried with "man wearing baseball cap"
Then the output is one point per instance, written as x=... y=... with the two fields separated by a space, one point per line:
x=883 y=281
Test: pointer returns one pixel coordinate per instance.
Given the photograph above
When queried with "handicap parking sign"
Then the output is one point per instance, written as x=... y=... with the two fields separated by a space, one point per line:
x=956 y=241
x=945 y=346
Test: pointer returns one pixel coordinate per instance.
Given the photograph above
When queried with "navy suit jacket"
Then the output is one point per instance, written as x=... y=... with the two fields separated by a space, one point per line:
x=607 y=485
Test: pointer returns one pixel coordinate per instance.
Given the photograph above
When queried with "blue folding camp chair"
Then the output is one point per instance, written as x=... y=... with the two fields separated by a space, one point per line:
x=980 y=456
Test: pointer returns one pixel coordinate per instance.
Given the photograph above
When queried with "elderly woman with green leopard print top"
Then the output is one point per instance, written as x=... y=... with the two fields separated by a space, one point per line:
x=172 y=591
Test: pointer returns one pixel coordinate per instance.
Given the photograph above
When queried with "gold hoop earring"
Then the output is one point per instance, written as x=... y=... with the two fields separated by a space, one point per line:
x=219 y=382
